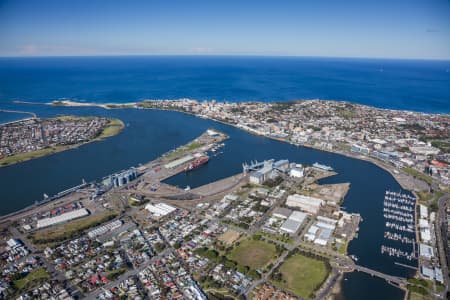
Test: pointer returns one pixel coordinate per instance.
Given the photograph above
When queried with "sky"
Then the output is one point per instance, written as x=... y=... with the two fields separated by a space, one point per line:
x=331 y=28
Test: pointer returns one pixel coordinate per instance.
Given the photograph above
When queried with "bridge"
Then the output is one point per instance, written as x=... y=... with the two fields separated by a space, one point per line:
x=400 y=281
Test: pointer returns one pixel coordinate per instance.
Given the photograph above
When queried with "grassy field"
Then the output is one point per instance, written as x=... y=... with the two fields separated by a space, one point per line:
x=283 y=238
x=252 y=253
x=343 y=248
x=35 y=276
x=67 y=230
x=13 y=159
x=180 y=151
x=302 y=275
x=418 y=175
x=114 y=127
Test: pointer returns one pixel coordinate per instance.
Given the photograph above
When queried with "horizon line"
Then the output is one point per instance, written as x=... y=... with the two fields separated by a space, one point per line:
x=223 y=55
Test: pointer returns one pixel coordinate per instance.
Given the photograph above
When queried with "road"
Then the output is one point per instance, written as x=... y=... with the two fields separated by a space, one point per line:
x=441 y=241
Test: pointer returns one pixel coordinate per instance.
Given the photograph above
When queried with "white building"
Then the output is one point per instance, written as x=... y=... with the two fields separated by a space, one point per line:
x=68 y=216
x=296 y=172
x=160 y=209
x=262 y=175
x=424 y=150
x=360 y=149
x=426 y=251
x=282 y=213
x=298 y=216
x=423 y=210
x=281 y=165
x=290 y=226
x=256 y=178
x=308 y=204
x=293 y=223
x=425 y=234
x=101 y=230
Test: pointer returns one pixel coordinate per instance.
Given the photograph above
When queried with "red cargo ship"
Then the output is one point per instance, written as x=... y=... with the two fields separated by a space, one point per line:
x=196 y=163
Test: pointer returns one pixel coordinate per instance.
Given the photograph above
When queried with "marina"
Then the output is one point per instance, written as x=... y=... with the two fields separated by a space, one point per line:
x=398 y=237
x=398 y=210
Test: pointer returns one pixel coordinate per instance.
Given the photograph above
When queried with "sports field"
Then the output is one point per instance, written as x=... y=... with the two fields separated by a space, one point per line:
x=302 y=275
x=253 y=253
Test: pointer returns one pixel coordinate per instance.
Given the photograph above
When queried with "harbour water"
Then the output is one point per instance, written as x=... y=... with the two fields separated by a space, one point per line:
x=7 y=117
x=144 y=138
x=415 y=85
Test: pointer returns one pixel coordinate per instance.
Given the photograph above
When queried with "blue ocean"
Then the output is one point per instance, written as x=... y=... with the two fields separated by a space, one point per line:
x=416 y=85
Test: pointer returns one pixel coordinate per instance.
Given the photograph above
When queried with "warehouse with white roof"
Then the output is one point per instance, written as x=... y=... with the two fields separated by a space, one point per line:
x=293 y=223
x=68 y=216
x=307 y=204
x=160 y=209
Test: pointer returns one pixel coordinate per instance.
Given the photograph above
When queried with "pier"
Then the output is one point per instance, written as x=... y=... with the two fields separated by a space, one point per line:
x=33 y=115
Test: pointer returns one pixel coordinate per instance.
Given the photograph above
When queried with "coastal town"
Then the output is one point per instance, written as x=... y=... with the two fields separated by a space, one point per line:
x=416 y=142
x=270 y=232
x=35 y=137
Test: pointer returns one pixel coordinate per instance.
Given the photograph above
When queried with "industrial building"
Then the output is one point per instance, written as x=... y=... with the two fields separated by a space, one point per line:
x=423 y=211
x=281 y=165
x=120 y=178
x=160 y=209
x=179 y=162
x=321 y=232
x=105 y=228
x=426 y=251
x=296 y=172
x=307 y=204
x=290 y=226
x=425 y=233
x=282 y=213
x=71 y=215
x=269 y=170
x=262 y=175
x=360 y=149
x=424 y=224
x=293 y=223
x=431 y=274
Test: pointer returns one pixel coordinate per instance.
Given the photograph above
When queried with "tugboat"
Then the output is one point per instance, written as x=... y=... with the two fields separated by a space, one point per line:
x=197 y=163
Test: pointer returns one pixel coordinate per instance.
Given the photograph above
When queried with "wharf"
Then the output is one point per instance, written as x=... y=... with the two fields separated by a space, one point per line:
x=151 y=175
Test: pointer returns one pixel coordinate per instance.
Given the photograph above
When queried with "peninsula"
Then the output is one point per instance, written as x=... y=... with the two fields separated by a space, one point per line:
x=407 y=143
x=32 y=138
